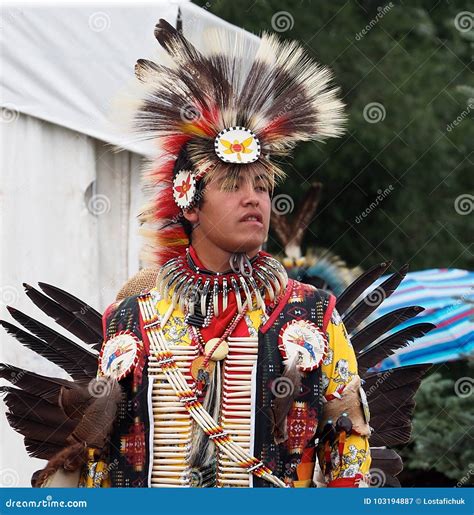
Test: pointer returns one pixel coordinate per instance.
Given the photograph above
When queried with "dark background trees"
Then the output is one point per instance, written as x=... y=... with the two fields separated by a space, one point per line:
x=404 y=70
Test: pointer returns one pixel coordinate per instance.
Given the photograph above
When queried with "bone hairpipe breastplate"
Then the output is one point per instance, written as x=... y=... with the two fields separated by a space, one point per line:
x=173 y=427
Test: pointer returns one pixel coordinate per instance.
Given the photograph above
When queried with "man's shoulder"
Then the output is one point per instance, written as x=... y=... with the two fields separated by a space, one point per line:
x=122 y=315
x=121 y=304
x=308 y=290
x=142 y=282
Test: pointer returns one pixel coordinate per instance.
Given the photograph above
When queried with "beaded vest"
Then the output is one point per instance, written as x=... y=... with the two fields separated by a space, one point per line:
x=151 y=442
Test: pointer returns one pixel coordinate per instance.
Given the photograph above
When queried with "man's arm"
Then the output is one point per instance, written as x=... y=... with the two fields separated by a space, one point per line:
x=344 y=455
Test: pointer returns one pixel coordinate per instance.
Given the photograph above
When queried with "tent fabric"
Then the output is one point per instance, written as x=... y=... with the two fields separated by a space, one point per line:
x=66 y=64
x=68 y=217
x=448 y=298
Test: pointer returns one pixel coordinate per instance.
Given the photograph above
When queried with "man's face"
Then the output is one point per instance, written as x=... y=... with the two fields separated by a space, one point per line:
x=235 y=220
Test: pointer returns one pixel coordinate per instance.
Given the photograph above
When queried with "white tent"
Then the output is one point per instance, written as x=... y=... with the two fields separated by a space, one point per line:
x=68 y=201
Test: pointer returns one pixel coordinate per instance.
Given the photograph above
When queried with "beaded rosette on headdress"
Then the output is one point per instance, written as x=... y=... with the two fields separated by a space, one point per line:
x=227 y=107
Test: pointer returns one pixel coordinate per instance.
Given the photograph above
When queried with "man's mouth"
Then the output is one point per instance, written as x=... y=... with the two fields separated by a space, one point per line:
x=252 y=217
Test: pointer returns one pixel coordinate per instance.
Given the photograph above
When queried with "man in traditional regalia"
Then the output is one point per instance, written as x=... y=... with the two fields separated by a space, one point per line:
x=215 y=369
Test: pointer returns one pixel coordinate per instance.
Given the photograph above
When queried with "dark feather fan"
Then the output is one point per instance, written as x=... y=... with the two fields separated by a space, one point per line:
x=48 y=388
x=40 y=449
x=27 y=405
x=65 y=318
x=373 y=300
x=377 y=328
x=355 y=290
x=56 y=435
x=77 y=361
x=390 y=394
x=83 y=311
x=57 y=416
x=375 y=353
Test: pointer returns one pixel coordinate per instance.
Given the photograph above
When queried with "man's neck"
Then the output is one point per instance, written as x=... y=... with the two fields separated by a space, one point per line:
x=213 y=257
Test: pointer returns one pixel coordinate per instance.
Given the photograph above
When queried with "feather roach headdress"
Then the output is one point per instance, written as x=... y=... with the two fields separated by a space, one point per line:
x=220 y=112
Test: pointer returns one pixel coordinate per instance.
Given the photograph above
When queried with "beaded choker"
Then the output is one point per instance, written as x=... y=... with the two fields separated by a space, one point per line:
x=201 y=293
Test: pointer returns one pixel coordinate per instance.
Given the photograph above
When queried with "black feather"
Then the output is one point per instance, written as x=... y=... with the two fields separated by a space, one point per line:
x=391 y=436
x=81 y=309
x=74 y=359
x=390 y=396
x=26 y=405
x=393 y=378
x=399 y=416
x=373 y=300
x=386 y=460
x=381 y=325
x=373 y=354
x=354 y=290
x=378 y=402
x=31 y=429
x=64 y=317
x=47 y=388
x=41 y=450
x=43 y=413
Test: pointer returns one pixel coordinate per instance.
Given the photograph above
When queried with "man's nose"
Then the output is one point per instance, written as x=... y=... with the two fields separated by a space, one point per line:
x=249 y=195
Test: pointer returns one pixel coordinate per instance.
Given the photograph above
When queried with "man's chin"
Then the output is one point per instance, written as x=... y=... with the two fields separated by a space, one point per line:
x=249 y=247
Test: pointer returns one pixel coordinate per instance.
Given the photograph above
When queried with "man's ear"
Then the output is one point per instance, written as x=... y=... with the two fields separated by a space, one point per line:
x=192 y=215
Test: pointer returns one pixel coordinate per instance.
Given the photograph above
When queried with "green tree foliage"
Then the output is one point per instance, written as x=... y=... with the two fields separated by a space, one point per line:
x=406 y=160
x=442 y=428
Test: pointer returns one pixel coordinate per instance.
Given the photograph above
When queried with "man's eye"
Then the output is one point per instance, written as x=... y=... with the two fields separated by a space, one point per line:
x=261 y=188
